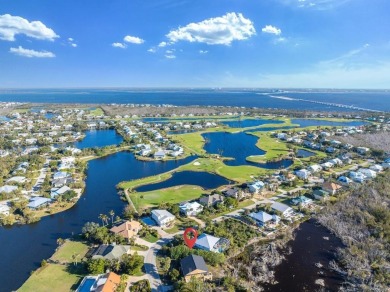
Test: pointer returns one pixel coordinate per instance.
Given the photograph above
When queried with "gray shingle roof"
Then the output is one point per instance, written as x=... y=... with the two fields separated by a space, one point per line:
x=192 y=263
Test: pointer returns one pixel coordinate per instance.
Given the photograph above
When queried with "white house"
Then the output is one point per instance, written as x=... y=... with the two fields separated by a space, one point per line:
x=367 y=172
x=376 y=167
x=37 y=202
x=162 y=217
x=263 y=218
x=4 y=209
x=362 y=150
x=357 y=176
x=208 y=242
x=57 y=192
x=8 y=189
x=191 y=208
x=282 y=208
x=344 y=180
x=314 y=168
x=302 y=174
x=256 y=187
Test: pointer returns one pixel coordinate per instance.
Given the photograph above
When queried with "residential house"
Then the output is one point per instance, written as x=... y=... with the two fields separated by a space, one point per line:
x=110 y=251
x=211 y=200
x=234 y=193
x=376 y=168
x=17 y=179
x=4 y=209
x=101 y=283
x=191 y=208
x=262 y=218
x=60 y=174
x=159 y=155
x=162 y=217
x=330 y=187
x=320 y=195
x=256 y=187
x=369 y=173
x=8 y=189
x=302 y=173
x=38 y=202
x=194 y=266
x=127 y=229
x=314 y=168
x=362 y=150
x=285 y=210
x=357 y=176
x=211 y=243
x=344 y=180
x=302 y=201
x=58 y=192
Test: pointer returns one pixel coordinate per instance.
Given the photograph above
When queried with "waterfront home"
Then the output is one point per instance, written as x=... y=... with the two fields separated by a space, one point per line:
x=369 y=173
x=327 y=165
x=263 y=218
x=362 y=150
x=331 y=187
x=110 y=251
x=302 y=173
x=211 y=243
x=191 y=208
x=211 y=200
x=357 y=176
x=336 y=161
x=160 y=154
x=256 y=187
x=8 y=189
x=281 y=136
x=302 y=201
x=285 y=210
x=59 y=191
x=314 y=168
x=162 y=217
x=60 y=182
x=320 y=195
x=60 y=174
x=38 y=202
x=194 y=266
x=101 y=283
x=127 y=229
x=4 y=209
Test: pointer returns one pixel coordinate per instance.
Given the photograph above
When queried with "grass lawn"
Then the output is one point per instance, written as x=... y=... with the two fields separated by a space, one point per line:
x=171 y=195
x=69 y=248
x=145 y=181
x=241 y=205
x=97 y=112
x=274 y=148
x=139 y=248
x=181 y=224
x=150 y=238
x=51 y=278
x=191 y=141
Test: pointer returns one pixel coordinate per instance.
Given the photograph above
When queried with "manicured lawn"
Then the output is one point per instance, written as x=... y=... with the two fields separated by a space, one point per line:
x=181 y=224
x=68 y=249
x=171 y=195
x=51 y=278
x=150 y=238
x=145 y=181
x=274 y=148
x=241 y=205
x=138 y=248
x=193 y=142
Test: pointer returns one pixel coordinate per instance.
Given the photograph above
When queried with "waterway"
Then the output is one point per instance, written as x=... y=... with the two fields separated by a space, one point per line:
x=239 y=146
x=245 y=123
x=203 y=179
x=313 y=244
x=99 y=138
x=313 y=122
x=23 y=247
x=302 y=153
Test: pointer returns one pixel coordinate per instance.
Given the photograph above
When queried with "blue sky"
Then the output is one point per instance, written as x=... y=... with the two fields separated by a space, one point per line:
x=202 y=43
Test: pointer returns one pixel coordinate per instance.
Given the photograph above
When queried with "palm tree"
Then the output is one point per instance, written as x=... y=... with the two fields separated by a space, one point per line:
x=103 y=218
x=74 y=258
x=112 y=214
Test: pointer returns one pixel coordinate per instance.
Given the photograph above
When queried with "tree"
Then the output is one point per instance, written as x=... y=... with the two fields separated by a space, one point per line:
x=112 y=214
x=132 y=264
x=96 y=266
x=165 y=264
x=174 y=274
x=60 y=241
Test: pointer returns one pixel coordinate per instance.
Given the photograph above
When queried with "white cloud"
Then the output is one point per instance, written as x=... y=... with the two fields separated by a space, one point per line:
x=152 y=50
x=10 y=26
x=315 y=4
x=119 y=45
x=74 y=45
x=133 y=40
x=162 y=44
x=31 y=53
x=203 y=52
x=171 y=51
x=271 y=29
x=215 y=31
x=70 y=39
x=170 y=56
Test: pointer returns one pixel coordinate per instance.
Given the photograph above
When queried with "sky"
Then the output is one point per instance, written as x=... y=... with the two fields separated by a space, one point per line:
x=199 y=43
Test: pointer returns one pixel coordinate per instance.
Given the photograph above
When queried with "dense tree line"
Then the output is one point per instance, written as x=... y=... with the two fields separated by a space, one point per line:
x=361 y=219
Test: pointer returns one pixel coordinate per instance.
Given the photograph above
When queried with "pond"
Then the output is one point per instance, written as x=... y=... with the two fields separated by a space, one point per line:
x=239 y=146
x=245 y=123
x=203 y=179
x=302 y=153
x=23 y=247
x=314 y=122
x=99 y=138
x=313 y=244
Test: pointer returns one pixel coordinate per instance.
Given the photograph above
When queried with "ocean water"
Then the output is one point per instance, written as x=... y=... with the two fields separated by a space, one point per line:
x=304 y=100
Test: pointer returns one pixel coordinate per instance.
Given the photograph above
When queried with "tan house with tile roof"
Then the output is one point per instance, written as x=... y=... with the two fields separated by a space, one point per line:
x=127 y=229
